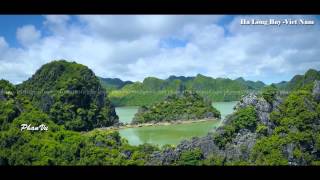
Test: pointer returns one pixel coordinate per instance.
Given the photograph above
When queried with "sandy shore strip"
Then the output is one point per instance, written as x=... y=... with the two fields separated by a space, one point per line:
x=166 y=123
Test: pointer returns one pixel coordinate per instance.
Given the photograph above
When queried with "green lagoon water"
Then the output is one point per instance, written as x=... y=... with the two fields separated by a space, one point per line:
x=171 y=134
x=126 y=113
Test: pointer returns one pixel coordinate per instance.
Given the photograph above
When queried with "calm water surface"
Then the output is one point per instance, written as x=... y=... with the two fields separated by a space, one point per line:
x=171 y=134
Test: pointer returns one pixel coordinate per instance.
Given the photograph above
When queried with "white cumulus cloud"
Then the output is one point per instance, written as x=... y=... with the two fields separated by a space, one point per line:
x=28 y=34
x=3 y=43
x=130 y=47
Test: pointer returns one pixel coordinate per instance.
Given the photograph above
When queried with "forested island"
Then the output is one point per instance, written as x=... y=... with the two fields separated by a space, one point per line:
x=267 y=128
x=181 y=106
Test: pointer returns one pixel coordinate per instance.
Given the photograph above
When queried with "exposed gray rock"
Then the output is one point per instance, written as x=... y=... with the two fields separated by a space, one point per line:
x=241 y=145
x=127 y=154
x=289 y=153
x=316 y=90
x=46 y=102
x=2 y=97
x=262 y=107
x=205 y=144
x=292 y=160
x=238 y=149
x=166 y=157
x=209 y=115
x=276 y=103
x=250 y=99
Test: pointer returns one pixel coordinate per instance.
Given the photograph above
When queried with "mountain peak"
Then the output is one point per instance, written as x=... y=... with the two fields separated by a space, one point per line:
x=200 y=75
x=312 y=72
x=240 y=79
x=151 y=79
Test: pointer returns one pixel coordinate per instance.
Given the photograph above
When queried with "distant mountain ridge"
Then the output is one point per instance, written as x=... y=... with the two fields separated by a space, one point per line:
x=251 y=84
x=152 y=89
x=113 y=83
x=299 y=81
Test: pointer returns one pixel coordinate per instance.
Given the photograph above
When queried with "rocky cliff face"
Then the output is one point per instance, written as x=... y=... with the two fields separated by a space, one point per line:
x=167 y=157
x=262 y=107
x=241 y=145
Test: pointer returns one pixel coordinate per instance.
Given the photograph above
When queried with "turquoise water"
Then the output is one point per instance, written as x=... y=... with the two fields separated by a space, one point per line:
x=126 y=113
x=171 y=134
x=225 y=108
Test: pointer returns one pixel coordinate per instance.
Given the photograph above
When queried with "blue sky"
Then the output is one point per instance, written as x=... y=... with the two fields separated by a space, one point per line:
x=134 y=47
x=10 y=23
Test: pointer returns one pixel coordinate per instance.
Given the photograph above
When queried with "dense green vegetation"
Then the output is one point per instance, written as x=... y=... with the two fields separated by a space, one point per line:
x=62 y=147
x=296 y=127
x=71 y=94
x=269 y=93
x=181 y=106
x=57 y=146
x=153 y=89
x=191 y=158
x=245 y=118
x=8 y=108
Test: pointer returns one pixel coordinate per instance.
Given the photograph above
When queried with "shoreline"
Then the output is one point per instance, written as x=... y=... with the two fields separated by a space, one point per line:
x=166 y=123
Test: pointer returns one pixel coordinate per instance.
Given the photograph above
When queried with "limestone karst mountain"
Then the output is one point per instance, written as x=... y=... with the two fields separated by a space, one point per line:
x=71 y=94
